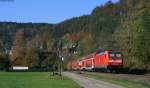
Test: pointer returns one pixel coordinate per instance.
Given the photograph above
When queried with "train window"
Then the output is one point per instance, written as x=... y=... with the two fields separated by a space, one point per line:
x=115 y=54
x=101 y=53
x=88 y=57
x=118 y=55
x=112 y=55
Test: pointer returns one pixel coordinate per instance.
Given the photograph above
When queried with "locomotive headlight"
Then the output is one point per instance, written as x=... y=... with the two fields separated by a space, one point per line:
x=119 y=61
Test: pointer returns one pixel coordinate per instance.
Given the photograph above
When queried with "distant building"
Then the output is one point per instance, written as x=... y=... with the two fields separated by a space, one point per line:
x=20 y=68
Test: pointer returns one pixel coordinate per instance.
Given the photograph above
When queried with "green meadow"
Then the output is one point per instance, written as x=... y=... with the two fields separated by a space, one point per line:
x=34 y=80
x=116 y=80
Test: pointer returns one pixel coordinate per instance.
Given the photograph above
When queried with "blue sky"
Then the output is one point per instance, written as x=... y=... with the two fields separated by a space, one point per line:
x=46 y=11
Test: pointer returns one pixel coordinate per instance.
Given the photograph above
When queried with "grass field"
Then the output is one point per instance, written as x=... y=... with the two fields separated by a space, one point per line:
x=116 y=80
x=34 y=80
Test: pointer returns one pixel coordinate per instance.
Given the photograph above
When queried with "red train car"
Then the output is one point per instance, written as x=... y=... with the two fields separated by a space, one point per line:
x=69 y=65
x=106 y=60
x=74 y=65
x=88 y=62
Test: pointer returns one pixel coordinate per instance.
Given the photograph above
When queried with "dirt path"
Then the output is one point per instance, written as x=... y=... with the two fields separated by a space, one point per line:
x=86 y=82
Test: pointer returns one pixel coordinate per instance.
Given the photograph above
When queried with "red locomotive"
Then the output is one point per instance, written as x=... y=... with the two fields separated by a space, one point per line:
x=106 y=60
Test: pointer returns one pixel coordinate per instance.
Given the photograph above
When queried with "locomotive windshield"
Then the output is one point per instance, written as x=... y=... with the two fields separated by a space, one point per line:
x=115 y=54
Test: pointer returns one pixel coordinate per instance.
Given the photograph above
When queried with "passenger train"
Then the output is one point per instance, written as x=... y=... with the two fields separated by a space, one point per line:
x=99 y=60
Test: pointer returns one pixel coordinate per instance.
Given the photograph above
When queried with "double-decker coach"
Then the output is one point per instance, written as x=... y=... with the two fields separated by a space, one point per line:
x=88 y=62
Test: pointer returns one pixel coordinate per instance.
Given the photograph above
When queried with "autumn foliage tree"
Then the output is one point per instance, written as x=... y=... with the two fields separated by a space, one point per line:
x=18 y=50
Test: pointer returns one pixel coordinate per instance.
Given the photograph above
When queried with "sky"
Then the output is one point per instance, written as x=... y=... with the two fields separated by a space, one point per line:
x=46 y=11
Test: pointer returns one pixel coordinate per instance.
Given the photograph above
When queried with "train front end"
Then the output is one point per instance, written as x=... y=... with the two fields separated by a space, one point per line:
x=115 y=60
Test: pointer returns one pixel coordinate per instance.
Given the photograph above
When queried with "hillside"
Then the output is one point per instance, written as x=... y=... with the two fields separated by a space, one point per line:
x=121 y=26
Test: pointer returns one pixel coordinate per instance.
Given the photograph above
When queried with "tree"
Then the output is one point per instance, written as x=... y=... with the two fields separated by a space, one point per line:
x=134 y=36
x=32 y=54
x=18 y=49
x=4 y=61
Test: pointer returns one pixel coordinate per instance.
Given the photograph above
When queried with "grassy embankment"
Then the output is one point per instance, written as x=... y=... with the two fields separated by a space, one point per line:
x=116 y=80
x=34 y=80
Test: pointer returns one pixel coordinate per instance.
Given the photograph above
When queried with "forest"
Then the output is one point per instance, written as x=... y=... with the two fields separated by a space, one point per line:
x=123 y=26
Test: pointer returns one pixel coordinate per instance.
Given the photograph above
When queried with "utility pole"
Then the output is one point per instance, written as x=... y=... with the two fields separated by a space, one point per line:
x=60 y=57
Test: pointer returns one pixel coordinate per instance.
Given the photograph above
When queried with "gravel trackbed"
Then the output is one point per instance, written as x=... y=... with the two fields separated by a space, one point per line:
x=86 y=82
